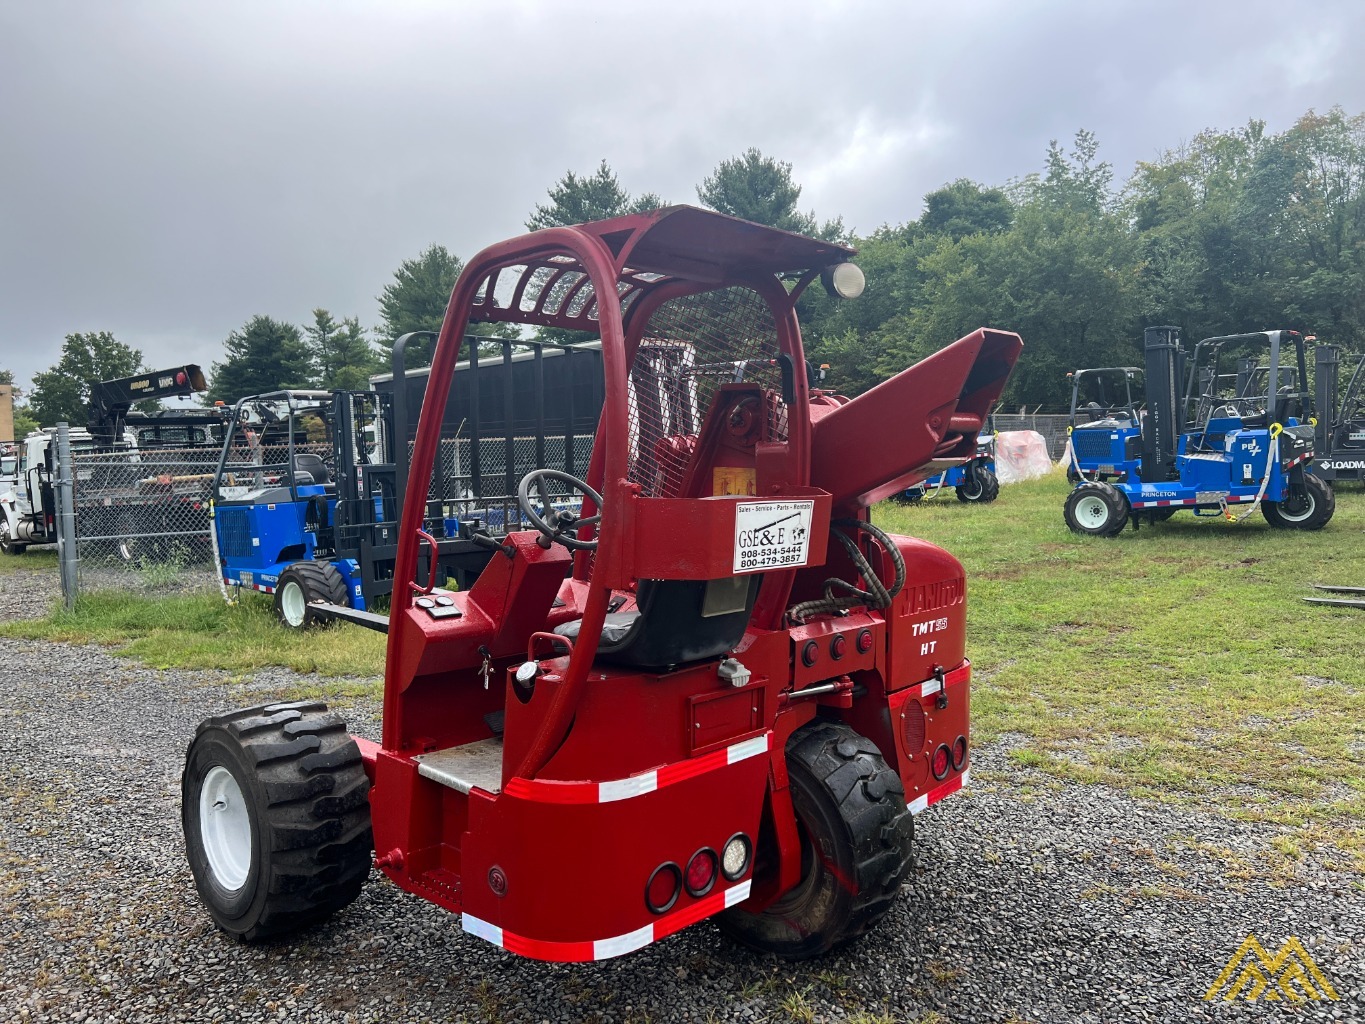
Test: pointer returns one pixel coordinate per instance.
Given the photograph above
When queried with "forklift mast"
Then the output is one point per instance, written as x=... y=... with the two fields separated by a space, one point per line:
x=1165 y=368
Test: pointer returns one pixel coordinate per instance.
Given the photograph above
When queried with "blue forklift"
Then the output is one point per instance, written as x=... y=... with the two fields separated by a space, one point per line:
x=1225 y=449
x=974 y=482
x=1104 y=434
x=307 y=493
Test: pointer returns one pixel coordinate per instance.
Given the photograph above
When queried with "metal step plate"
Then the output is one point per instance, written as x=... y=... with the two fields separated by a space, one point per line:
x=477 y=764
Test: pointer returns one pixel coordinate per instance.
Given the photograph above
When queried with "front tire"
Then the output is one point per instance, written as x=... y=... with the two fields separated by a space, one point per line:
x=303 y=583
x=1096 y=509
x=275 y=808
x=855 y=847
x=1311 y=509
x=982 y=486
x=8 y=545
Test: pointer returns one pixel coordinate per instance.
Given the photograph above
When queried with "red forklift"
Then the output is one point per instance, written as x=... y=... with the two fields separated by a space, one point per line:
x=705 y=685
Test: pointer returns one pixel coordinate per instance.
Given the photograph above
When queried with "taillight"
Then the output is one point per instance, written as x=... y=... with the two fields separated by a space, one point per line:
x=865 y=641
x=941 y=761
x=661 y=891
x=810 y=653
x=959 y=753
x=701 y=872
x=734 y=861
x=838 y=646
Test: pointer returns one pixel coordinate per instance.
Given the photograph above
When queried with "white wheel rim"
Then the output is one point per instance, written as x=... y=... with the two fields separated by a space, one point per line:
x=1310 y=505
x=225 y=827
x=292 y=603
x=1092 y=511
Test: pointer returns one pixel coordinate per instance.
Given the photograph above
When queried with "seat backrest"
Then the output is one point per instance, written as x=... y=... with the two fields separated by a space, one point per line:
x=307 y=462
x=684 y=620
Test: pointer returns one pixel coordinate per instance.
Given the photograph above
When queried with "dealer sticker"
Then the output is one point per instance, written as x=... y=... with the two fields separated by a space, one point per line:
x=772 y=534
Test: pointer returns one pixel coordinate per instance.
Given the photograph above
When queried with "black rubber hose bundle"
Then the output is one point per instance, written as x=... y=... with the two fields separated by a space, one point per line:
x=841 y=595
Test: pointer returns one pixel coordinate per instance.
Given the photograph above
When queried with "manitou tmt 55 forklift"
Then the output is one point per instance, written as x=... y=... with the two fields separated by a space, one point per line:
x=714 y=689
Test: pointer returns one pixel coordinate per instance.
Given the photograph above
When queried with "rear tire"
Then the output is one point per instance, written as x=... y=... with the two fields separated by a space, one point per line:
x=303 y=583
x=981 y=487
x=1312 y=509
x=855 y=847
x=8 y=545
x=275 y=808
x=1096 y=509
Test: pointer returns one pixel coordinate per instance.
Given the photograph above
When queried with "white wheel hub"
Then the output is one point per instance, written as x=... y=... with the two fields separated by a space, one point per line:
x=225 y=828
x=293 y=603
x=1092 y=511
x=1305 y=512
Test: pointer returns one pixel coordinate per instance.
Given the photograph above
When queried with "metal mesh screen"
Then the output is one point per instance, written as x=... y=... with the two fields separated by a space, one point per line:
x=694 y=345
x=142 y=518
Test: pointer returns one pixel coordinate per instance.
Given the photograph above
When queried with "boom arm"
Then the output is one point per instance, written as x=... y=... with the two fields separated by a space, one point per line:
x=110 y=400
x=903 y=431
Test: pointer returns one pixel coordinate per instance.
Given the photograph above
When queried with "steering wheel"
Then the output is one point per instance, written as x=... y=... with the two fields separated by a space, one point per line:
x=557 y=526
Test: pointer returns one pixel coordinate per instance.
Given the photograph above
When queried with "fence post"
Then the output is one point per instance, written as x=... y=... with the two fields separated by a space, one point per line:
x=64 y=497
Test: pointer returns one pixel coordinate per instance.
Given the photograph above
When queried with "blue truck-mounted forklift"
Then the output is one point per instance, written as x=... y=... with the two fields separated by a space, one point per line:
x=1104 y=434
x=308 y=488
x=974 y=482
x=1221 y=447
x=1340 y=443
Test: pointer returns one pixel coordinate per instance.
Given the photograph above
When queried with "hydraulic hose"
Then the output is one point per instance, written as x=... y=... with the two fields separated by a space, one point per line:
x=840 y=594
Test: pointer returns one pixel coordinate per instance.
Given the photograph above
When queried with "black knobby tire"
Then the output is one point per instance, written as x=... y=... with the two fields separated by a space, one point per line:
x=8 y=545
x=1096 y=509
x=305 y=795
x=1311 y=508
x=855 y=836
x=982 y=486
x=300 y=585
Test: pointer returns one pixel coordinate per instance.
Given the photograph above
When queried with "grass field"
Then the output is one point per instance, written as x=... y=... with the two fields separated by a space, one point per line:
x=1178 y=662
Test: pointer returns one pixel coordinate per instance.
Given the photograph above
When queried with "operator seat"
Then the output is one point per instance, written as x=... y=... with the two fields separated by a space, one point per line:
x=676 y=621
x=311 y=466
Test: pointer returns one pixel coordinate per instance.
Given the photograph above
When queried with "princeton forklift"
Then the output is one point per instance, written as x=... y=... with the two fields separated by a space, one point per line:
x=1226 y=444
x=710 y=687
x=1104 y=434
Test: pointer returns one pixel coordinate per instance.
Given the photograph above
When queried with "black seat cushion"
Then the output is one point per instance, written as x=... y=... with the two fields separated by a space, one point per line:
x=675 y=623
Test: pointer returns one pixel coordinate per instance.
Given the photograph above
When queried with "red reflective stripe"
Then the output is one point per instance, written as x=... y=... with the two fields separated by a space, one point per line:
x=949 y=787
x=680 y=919
x=551 y=791
x=541 y=949
x=690 y=769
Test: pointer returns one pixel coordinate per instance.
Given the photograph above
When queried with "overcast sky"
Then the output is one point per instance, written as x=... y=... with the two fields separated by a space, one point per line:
x=169 y=169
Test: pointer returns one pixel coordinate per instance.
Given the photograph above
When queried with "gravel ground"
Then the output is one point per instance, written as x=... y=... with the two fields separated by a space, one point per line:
x=1032 y=901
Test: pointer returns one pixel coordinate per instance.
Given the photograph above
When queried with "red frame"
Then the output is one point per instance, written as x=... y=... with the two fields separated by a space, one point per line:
x=607 y=773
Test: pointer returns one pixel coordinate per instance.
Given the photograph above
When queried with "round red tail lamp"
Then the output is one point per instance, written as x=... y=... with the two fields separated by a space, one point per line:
x=661 y=891
x=838 y=646
x=941 y=761
x=959 y=753
x=701 y=872
x=865 y=641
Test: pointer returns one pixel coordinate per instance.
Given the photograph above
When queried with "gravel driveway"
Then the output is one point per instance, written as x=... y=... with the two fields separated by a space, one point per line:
x=1032 y=901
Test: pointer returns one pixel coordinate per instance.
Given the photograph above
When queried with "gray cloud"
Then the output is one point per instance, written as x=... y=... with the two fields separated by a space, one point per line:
x=170 y=169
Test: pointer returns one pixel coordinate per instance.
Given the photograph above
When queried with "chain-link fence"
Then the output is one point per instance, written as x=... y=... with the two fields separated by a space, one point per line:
x=142 y=519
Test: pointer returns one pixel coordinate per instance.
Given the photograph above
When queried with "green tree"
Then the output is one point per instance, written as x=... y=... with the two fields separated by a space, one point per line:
x=416 y=300
x=264 y=355
x=576 y=199
x=7 y=377
x=25 y=422
x=758 y=188
x=965 y=208
x=342 y=356
x=63 y=391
